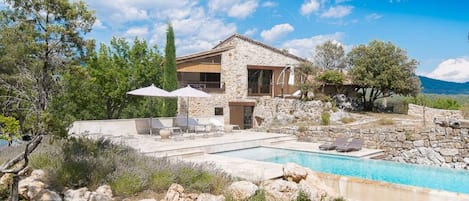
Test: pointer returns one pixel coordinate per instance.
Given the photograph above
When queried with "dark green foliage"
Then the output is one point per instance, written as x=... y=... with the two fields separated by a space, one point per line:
x=307 y=83
x=39 y=40
x=438 y=102
x=380 y=70
x=170 y=82
x=331 y=77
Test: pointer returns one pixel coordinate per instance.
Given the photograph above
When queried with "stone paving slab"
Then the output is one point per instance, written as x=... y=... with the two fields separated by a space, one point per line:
x=243 y=168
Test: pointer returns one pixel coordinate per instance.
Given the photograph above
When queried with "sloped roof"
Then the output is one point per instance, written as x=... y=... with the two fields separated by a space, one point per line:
x=201 y=55
x=236 y=35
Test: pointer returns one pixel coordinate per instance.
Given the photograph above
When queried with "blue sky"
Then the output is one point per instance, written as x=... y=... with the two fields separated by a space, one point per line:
x=433 y=32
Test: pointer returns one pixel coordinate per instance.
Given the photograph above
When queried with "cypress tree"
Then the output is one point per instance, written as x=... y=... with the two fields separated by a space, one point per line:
x=170 y=82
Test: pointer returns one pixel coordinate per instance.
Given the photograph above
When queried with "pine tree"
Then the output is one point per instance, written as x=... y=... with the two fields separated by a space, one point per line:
x=170 y=82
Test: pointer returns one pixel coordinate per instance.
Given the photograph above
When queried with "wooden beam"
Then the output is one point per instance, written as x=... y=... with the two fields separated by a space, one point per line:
x=199 y=68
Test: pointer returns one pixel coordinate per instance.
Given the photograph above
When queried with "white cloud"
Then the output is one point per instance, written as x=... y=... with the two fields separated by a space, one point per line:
x=195 y=32
x=454 y=70
x=304 y=47
x=140 y=32
x=98 y=24
x=309 y=7
x=269 y=4
x=195 y=28
x=276 y=32
x=337 y=12
x=373 y=16
x=234 y=8
x=250 y=32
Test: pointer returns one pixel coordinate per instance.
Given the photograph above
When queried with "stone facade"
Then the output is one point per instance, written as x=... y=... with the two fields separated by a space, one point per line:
x=432 y=113
x=283 y=111
x=234 y=74
x=431 y=146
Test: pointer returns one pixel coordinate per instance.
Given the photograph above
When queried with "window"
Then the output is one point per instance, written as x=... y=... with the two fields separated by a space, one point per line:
x=259 y=81
x=219 y=111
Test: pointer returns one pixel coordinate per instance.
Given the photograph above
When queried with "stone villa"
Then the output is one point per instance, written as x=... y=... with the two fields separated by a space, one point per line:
x=236 y=72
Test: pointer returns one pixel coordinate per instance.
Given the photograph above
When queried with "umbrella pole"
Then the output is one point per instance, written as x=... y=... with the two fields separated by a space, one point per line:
x=187 y=115
x=151 y=115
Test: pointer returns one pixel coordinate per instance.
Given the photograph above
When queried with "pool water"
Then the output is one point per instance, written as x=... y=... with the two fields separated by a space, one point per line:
x=379 y=170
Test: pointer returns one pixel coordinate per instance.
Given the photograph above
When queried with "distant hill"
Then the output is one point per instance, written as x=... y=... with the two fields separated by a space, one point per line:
x=434 y=86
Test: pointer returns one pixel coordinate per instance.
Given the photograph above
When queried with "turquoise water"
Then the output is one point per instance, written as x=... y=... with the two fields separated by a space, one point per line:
x=379 y=170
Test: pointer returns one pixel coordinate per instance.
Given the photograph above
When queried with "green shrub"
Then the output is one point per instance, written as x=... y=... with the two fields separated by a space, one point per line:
x=302 y=196
x=331 y=77
x=347 y=120
x=408 y=135
x=126 y=185
x=9 y=129
x=465 y=110
x=259 y=196
x=325 y=118
x=87 y=163
x=386 y=121
x=339 y=199
x=160 y=180
x=301 y=128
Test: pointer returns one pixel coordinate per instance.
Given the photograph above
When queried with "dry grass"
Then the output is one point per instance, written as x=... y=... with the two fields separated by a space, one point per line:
x=386 y=122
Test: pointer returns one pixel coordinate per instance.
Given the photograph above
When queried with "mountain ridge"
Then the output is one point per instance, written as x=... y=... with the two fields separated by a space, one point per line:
x=434 y=86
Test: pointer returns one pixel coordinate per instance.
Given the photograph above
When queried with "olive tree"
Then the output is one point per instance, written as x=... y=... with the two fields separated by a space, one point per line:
x=330 y=56
x=380 y=69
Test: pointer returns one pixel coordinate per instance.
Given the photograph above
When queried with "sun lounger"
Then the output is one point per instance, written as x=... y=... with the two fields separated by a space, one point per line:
x=190 y=124
x=219 y=126
x=354 y=145
x=341 y=141
x=156 y=124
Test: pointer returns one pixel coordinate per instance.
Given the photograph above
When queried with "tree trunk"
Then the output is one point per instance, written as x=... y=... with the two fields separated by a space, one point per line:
x=14 y=188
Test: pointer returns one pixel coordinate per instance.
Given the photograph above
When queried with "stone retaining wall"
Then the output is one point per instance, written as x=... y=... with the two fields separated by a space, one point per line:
x=431 y=113
x=431 y=146
x=283 y=111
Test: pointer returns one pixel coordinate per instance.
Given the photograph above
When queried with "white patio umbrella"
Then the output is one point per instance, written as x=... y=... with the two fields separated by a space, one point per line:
x=150 y=91
x=189 y=92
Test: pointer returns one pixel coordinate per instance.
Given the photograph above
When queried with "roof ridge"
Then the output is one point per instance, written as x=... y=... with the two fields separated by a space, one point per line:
x=245 y=38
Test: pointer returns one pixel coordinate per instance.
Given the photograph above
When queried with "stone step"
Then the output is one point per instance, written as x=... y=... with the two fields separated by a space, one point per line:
x=282 y=139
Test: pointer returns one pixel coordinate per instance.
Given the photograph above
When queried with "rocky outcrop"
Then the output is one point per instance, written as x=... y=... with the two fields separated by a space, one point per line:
x=34 y=188
x=176 y=193
x=102 y=193
x=210 y=197
x=280 y=189
x=242 y=190
x=294 y=172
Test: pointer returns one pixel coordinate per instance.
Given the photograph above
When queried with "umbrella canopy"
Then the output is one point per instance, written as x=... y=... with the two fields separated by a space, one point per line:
x=150 y=91
x=189 y=92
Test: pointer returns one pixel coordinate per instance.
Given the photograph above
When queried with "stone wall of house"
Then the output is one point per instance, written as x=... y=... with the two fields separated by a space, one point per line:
x=234 y=76
x=283 y=111
x=430 y=146
x=431 y=113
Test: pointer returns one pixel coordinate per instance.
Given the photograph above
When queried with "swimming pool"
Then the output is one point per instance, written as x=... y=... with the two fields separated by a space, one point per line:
x=399 y=173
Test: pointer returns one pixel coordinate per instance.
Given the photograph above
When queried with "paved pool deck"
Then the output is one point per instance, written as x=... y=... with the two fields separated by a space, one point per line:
x=199 y=148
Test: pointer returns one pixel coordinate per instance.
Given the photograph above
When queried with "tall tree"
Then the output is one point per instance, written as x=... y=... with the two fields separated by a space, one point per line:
x=170 y=82
x=381 y=69
x=49 y=36
x=330 y=56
